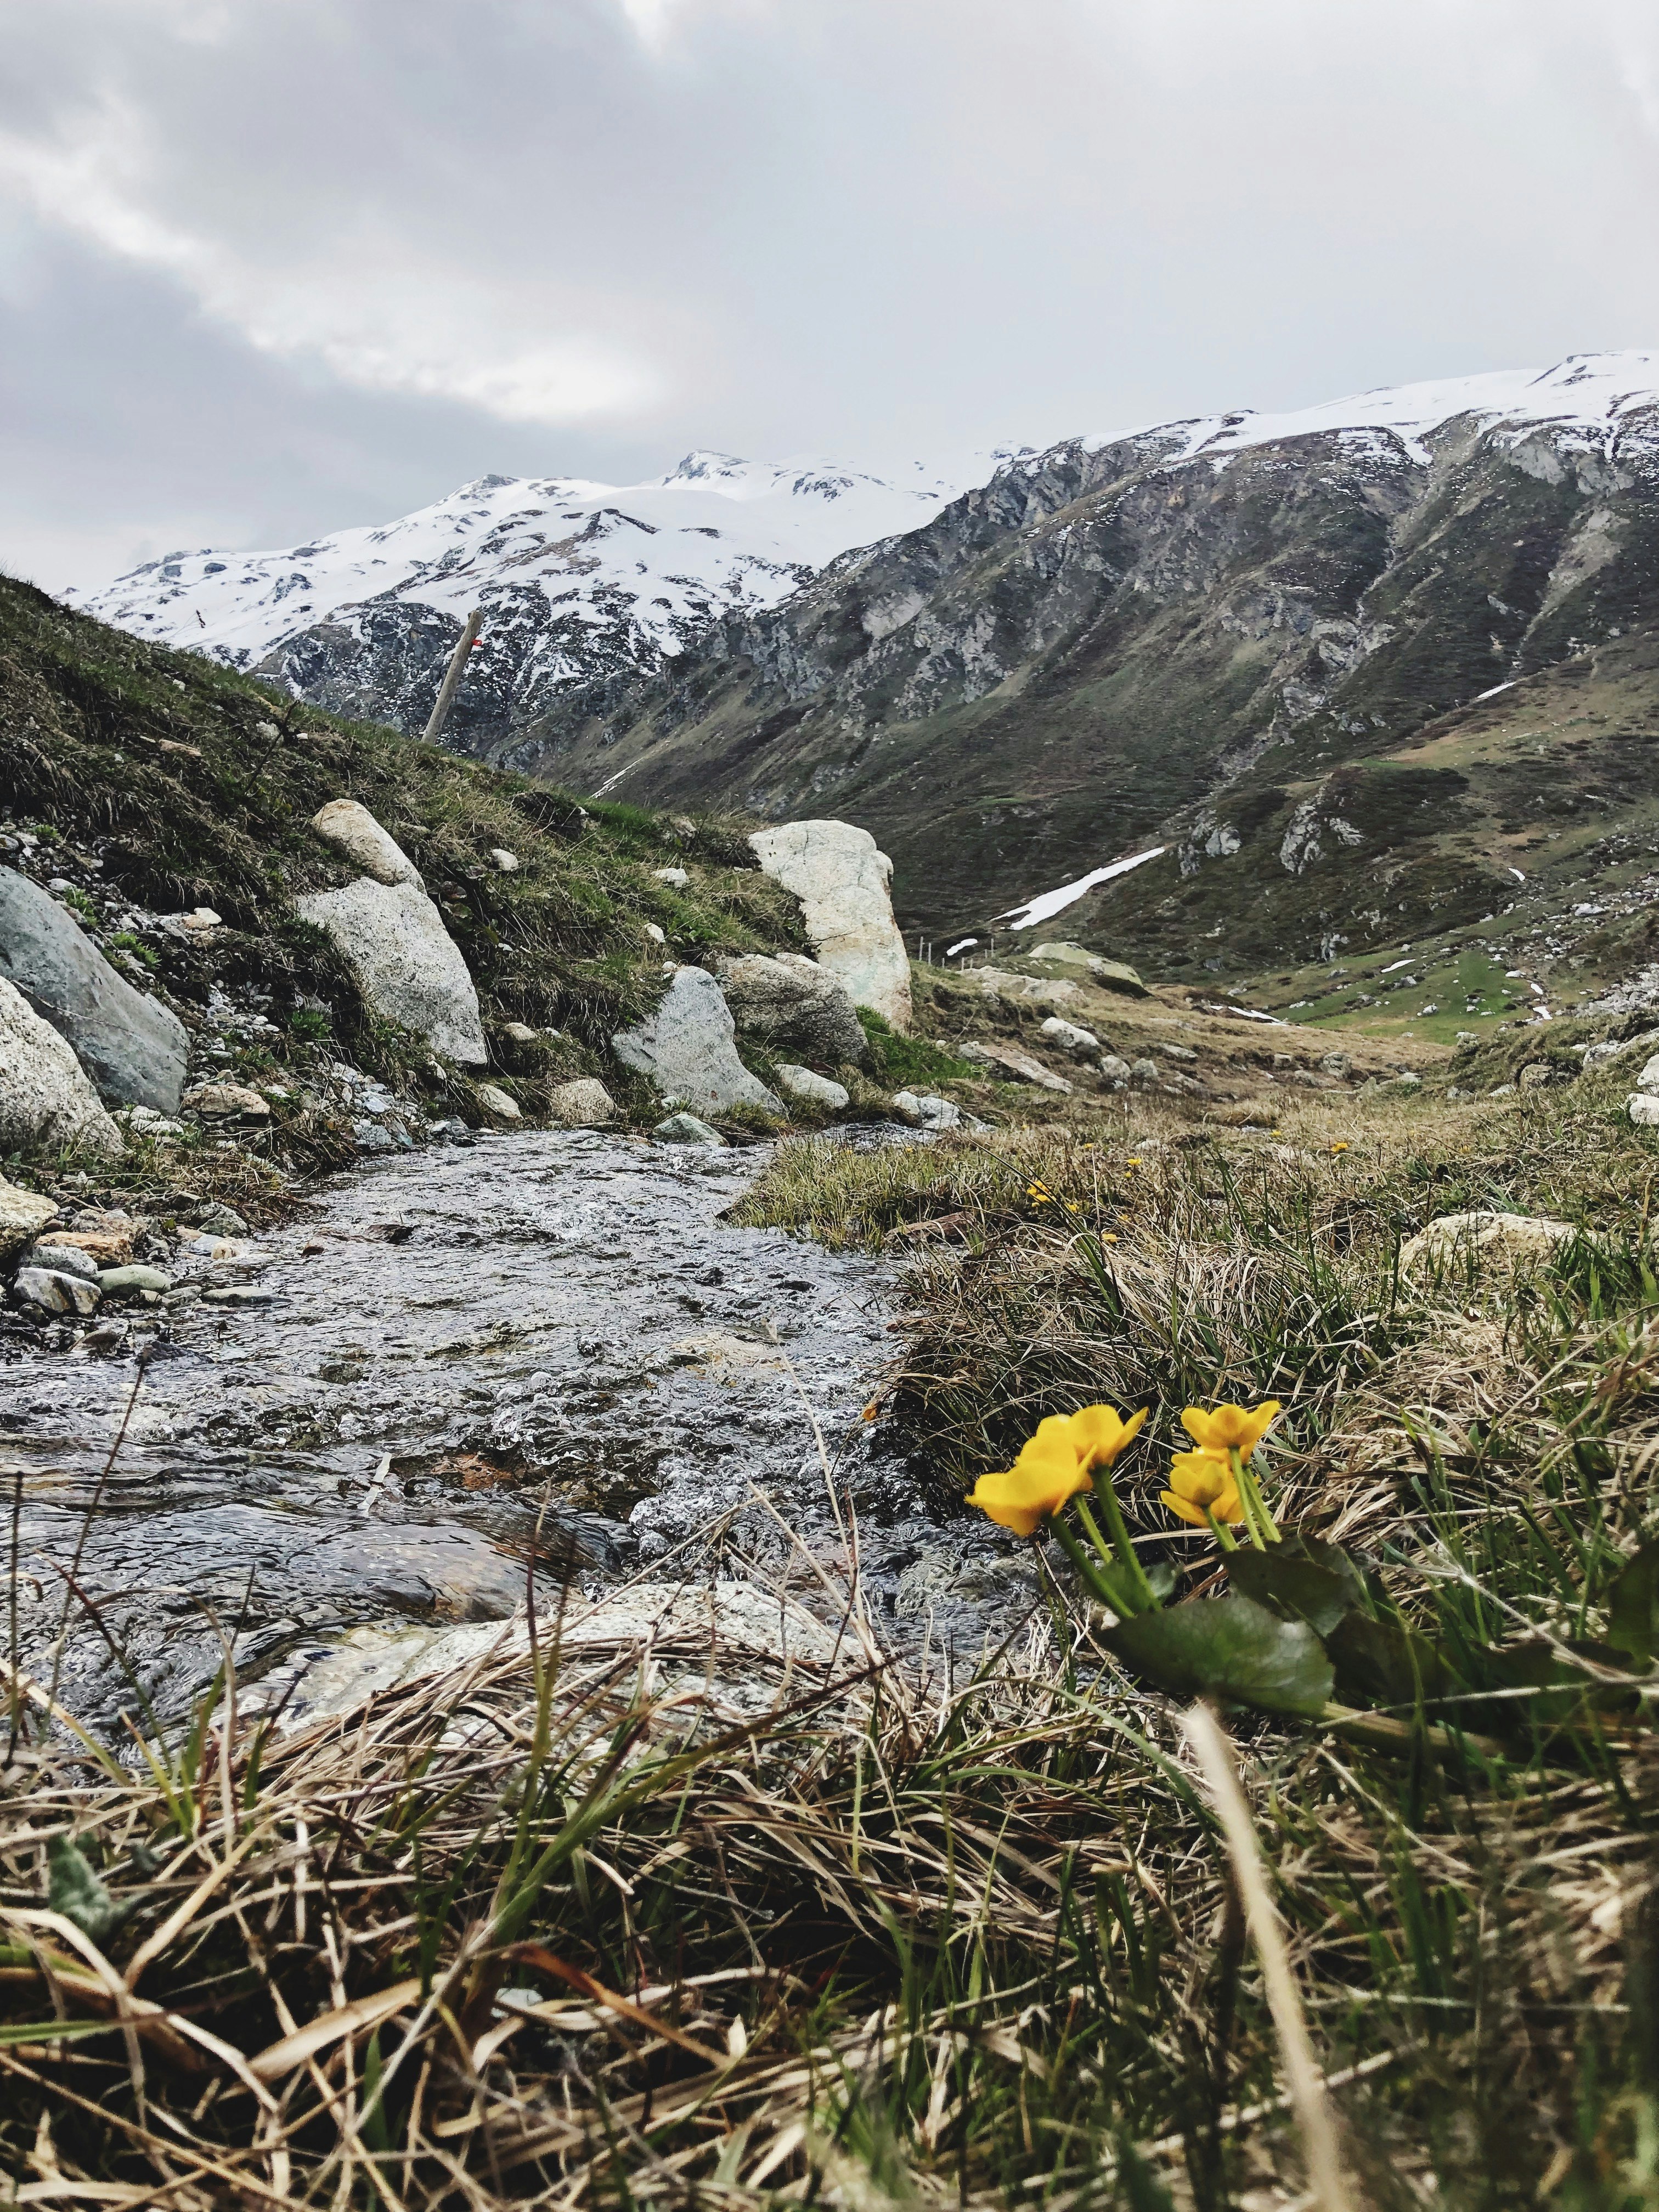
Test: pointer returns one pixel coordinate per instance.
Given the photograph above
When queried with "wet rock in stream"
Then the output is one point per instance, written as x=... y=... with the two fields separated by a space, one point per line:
x=544 y=1354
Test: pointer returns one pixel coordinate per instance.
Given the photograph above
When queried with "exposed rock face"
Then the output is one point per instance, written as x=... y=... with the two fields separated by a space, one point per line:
x=393 y=937
x=792 y=1004
x=46 y=1100
x=1010 y=1061
x=842 y=881
x=353 y=830
x=686 y=1049
x=134 y=1048
x=1109 y=975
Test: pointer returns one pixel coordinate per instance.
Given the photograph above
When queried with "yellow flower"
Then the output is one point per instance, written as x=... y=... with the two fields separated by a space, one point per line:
x=1132 y=1163
x=1054 y=1466
x=1338 y=1148
x=1202 y=1478
x=1229 y=1428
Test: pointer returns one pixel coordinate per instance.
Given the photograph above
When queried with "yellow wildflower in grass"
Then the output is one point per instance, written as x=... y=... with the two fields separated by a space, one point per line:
x=1054 y=1466
x=1229 y=1428
x=1200 y=1479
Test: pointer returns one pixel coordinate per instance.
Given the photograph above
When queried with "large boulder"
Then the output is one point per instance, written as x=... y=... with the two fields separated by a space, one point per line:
x=134 y=1048
x=792 y=1004
x=46 y=1100
x=1456 y=1239
x=686 y=1049
x=393 y=939
x=1104 y=975
x=842 y=881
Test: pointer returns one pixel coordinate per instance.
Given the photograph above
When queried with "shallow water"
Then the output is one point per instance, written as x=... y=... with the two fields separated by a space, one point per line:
x=545 y=1346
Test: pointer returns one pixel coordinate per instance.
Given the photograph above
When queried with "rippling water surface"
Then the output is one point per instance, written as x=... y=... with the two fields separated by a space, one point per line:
x=546 y=1347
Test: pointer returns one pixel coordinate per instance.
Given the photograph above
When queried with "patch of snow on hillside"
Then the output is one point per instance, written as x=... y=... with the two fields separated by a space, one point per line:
x=1047 y=904
x=715 y=534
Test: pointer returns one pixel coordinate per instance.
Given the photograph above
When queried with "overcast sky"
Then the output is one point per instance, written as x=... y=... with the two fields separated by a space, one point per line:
x=271 y=267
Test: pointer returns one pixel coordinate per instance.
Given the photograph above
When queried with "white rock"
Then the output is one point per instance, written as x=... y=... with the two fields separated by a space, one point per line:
x=583 y=1104
x=676 y=877
x=353 y=830
x=1643 y=1107
x=1012 y=1061
x=1454 y=1236
x=46 y=1099
x=496 y=1101
x=654 y=932
x=815 y=1089
x=506 y=861
x=686 y=1049
x=23 y=1214
x=405 y=961
x=1115 y=1069
x=1069 y=1036
x=842 y=881
x=1647 y=1080
x=519 y=1032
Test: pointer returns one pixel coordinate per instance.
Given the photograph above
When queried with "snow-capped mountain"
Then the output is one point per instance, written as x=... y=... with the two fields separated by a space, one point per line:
x=577 y=581
x=1237 y=638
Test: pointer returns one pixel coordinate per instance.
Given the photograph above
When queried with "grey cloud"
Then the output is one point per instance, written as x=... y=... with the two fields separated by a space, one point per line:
x=269 y=270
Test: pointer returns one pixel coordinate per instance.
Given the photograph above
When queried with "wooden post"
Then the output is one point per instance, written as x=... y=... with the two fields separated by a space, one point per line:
x=451 y=683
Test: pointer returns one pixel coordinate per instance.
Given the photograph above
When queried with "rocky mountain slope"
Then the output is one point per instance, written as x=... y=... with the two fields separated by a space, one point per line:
x=580 y=583
x=1357 y=669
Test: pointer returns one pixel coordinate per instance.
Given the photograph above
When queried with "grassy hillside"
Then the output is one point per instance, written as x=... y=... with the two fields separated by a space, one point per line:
x=158 y=780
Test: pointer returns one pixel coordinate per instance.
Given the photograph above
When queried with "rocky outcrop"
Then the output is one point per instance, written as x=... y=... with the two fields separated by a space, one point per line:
x=1461 y=1239
x=1009 y=1059
x=791 y=1003
x=393 y=939
x=134 y=1048
x=842 y=882
x=686 y=1049
x=45 y=1100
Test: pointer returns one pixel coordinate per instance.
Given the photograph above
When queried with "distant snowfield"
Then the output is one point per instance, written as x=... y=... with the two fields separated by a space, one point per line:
x=1047 y=904
x=667 y=555
x=1595 y=393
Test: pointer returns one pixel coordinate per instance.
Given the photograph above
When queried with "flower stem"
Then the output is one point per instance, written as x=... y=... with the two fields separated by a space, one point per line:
x=1248 y=1485
x=1144 y=1600
x=1224 y=1536
x=1251 y=1504
x=1092 y=1573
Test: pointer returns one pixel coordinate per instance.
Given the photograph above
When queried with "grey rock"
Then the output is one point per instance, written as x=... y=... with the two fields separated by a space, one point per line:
x=1643 y=1107
x=842 y=881
x=686 y=1049
x=227 y=1101
x=372 y=1137
x=1456 y=1237
x=686 y=1129
x=675 y=877
x=926 y=1110
x=518 y=1033
x=814 y=1089
x=1338 y=1063
x=1108 y=975
x=1649 y=1078
x=506 y=862
x=792 y=1004
x=127 y=1282
x=223 y=1221
x=1538 y=1075
x=49 y=1292
x=583 y=1104
x=23 y=1215
x=239 y=1294
x=496 y=1101
x=45 y=1100
x=1116 y=1070
x=1066 y=1036
x=353 y=830
x=62 y=1259
x=1144 y=1075
x=134 y=1048
x=391 y=937
x=1011 y=1060
x=1183 y=1053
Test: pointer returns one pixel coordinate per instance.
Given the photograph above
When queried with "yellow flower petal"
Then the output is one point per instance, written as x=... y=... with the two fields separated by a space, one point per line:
x=1035 y=1487
x=1100 y=1433
x=1229 y=1428
x=1202 y=1478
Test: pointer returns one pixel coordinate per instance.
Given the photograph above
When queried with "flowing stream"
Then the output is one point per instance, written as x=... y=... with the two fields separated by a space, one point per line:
x=545 y=1347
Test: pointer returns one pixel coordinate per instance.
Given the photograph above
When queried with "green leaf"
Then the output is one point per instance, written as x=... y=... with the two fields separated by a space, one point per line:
x=75 y=1891
x=1632 y=1604
x=1228 y=1646
x=1379 y=1663
x=1294 y=1587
